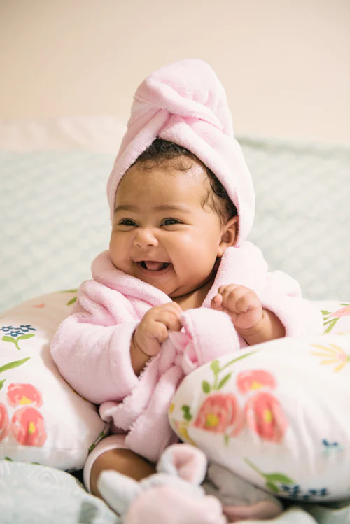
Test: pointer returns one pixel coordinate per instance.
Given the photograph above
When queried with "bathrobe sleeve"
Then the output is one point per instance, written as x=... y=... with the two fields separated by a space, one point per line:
x=282 y=295
x=92 y=346
x=212 y=334
x=277 y=291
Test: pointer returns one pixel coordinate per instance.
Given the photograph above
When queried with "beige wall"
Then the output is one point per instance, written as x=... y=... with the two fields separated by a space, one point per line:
x=285 y=64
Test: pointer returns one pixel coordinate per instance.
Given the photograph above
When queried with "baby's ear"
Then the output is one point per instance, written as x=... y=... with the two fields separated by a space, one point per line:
x=229 y=235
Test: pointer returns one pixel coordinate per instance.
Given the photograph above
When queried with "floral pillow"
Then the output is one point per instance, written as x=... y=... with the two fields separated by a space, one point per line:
x=336 y=316
x=42 y=419
x=276 y=413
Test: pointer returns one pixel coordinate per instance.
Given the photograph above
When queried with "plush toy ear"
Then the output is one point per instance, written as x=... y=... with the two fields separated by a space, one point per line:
x=118 y=490
x=184 y=461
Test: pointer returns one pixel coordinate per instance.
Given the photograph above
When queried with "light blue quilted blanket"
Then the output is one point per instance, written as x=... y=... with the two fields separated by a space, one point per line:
x=40 y=495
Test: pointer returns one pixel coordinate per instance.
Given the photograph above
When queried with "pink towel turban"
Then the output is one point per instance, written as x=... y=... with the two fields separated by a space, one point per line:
x=184 y=102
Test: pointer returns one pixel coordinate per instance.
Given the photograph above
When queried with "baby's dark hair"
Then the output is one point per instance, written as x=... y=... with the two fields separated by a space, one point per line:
x=163 y=150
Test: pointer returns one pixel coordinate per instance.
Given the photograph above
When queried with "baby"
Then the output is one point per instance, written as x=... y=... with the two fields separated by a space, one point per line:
x=179 y=284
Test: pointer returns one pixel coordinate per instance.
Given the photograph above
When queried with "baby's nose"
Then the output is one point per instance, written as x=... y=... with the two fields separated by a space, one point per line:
x=145 y=237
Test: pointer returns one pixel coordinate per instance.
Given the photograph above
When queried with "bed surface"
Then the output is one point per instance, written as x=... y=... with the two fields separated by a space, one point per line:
x=42 y=495
x=31 y=494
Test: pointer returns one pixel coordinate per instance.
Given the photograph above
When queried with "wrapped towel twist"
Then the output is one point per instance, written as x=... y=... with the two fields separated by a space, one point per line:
x=184 y=102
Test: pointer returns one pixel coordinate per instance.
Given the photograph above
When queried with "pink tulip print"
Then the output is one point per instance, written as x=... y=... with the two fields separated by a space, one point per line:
x=218 y=413
x=343 y=312
x=27 y=424
x=253 y=380
x=265 y=416
x=27 y=427
x=246 y=406
x=21 y=394
x=4 y=422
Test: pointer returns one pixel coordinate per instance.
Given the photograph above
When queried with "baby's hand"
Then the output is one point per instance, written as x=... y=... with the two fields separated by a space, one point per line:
x=242 y=304
x=153 y=328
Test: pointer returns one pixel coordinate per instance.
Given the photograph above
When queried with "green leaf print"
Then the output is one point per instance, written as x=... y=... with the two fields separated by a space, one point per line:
x=215 y=367
x=14 y=364
x=72 y=300
x=328 y=321
x=186 y=410
x=11 y=365
x=102 y=435
x=271 y=478
x=331 y=324
x=328 y=317
x=14 y=341
x=224 y=380
x=278 y=477
x=237 y=359
x=271 y=486
x=5 y=338
x=206 y=387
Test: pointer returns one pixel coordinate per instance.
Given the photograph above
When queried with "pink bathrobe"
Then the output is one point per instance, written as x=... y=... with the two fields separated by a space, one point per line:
x=92 y=346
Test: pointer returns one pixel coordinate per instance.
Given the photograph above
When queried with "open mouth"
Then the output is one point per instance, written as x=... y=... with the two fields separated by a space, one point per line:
x=154 y=266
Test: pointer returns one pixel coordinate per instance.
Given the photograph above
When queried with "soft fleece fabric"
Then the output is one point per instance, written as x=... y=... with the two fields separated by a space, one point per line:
x=92 y=347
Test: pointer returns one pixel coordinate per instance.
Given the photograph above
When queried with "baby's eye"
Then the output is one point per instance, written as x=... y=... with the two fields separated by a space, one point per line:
x=170 y=222
x=127 y=222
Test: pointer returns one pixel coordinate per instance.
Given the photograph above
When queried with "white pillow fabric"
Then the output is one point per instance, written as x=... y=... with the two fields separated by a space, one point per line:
x=42 y=419
x=276 y=413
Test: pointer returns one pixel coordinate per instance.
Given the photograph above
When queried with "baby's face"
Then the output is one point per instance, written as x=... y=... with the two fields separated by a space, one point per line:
x=161 y=232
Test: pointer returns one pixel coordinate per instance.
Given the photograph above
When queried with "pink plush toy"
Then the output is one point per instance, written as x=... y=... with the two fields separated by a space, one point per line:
x=174 y=494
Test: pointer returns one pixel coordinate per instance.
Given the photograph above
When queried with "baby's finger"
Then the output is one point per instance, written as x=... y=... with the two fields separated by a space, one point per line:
x=172 y=307
x=224 y=291
x=160 y=332
x=228 y=291
x=149 y=338
x=234 y=299
x=170 y=319
x=246 y=301
x=216 y=302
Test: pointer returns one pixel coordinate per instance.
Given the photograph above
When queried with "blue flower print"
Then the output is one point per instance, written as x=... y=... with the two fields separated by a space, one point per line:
x=331 y=447
x=295 y=492
x=14 y=334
